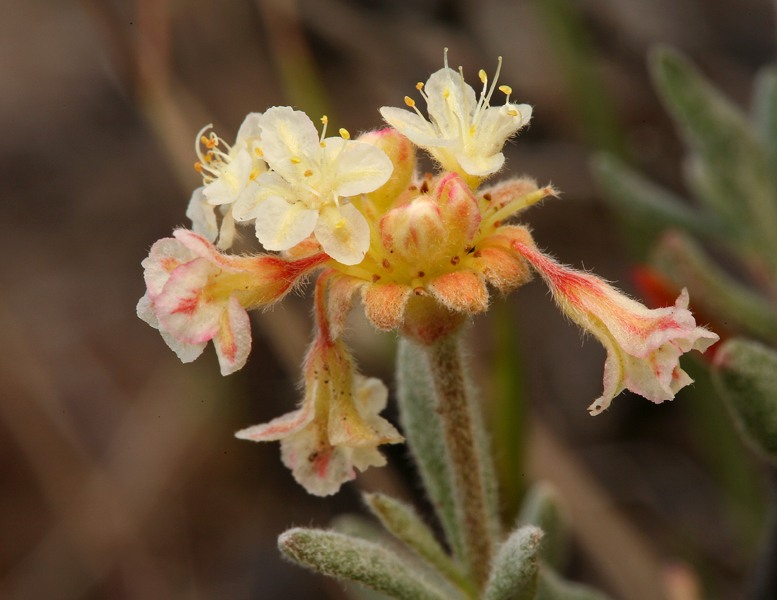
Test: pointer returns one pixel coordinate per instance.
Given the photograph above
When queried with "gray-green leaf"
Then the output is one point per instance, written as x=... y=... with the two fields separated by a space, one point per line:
x=553 y=587
x=746 y=376
x=402 y=521
x=352 y=559
x=738 y=182
x=541 y=508
x=515 y=567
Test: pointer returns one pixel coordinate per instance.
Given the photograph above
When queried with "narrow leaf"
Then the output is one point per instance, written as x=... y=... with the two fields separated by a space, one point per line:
x=402 y=521
x=734 y=164
x=714 y=292
x=425 y=437
x=515 y=567
x=652 y=208
x=553 y=587
x=746 y=377
x=352 y=559
x=541 y=508
x=764 y=113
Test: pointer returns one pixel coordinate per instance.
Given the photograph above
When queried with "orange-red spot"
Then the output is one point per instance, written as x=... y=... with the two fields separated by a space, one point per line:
x=187 y=306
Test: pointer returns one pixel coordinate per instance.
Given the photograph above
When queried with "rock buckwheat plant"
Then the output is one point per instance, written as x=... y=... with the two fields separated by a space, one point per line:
x=420 y=251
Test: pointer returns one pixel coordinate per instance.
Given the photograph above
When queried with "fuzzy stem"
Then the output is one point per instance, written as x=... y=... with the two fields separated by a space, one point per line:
x=456 y=413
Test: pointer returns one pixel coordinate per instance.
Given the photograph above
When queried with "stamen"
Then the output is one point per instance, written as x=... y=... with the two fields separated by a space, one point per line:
x=483 y=76
x=294 y=160
x=506 y=89
x=325 y=121
x=445 y=57
x=419 y=86
x=259 y=151
x=308 y=173
x=254 y=174
x=198 y=167
x=512 y=112
x=344 y=134
x=409 y=101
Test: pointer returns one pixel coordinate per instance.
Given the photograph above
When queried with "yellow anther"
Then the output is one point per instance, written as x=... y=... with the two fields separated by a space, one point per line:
x=446 y=94
x=472 y=130
x=208 y=157
x=308 y=173
x=198 y=167
x=322 y=144
x=506 y=89
x=344 y=134
x=209 y=143
x=409 y=101
x=419 y=86
x=259 y=151
x=512 y=112
x=295 y=160
x=325 y=119
x=254 y=174
x=483 y=76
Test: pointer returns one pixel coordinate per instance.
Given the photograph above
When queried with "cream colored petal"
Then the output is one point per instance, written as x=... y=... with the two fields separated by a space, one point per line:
x=417 y=130
x=359 y=169
x=281 y=225
x=316 y=465
x=231 y=181
x=266 y=184
x=202 y=215
x=249 y=129
x=165 y=256
x=480 y=165
x=287 y=134
x=343 y=233
x=451 y=102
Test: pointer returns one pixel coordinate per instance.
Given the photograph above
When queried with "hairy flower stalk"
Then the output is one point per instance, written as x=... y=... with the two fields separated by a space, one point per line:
x=456 y=412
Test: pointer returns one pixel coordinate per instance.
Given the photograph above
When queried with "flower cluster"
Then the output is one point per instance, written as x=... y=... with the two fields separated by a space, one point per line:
x=419 y=250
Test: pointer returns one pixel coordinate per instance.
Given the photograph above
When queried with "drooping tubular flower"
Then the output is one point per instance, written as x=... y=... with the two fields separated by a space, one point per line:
x=337 y=427
x=464 y=132
x=643 y=346
x=420 y=251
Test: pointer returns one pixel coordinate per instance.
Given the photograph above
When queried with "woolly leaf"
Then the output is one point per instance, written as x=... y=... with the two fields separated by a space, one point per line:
x=402 y=521
x=647 y=205
x=733 y=164
x=514 y=568
x=352 y=559
x=541 y=508
x=553 y=587
x=765 y=109
x=746 y=376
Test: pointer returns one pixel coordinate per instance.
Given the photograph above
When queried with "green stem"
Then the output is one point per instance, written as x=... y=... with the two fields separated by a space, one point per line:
x=456 y=414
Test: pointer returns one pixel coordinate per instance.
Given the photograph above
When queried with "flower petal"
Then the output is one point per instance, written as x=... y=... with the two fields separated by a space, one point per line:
x=343 y=233
x=231 y=180
x=202 y=215
x=417 y=130
x=317 y=466
x=233 y=342
x=450 y=102
x=279 y=428
x=281 y=225
x=184 y=309
x=358 y=169
x=165 y=256
x=288 y=134
x=186 y=352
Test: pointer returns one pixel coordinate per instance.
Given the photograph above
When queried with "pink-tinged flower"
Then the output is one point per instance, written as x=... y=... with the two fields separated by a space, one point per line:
x=197 y=294
x=337 y=427
x=643 y=345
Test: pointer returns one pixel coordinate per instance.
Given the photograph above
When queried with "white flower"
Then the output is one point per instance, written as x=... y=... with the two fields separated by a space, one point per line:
x=463 y=132
x=226 y=172
x=301 y=194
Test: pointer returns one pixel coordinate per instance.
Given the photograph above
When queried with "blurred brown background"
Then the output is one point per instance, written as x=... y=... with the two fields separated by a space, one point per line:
x=119 y=474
